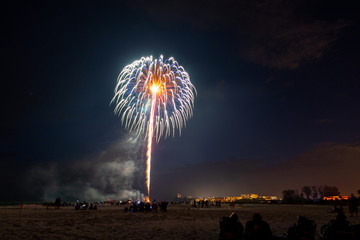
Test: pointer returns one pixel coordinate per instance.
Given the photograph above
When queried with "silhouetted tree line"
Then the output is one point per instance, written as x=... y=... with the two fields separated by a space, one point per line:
x=309 y=194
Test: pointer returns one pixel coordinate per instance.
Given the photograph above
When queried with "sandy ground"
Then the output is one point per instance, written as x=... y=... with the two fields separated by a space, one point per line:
x=179 y=222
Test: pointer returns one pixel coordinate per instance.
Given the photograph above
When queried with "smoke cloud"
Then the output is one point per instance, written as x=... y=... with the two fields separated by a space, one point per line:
x=116 y=173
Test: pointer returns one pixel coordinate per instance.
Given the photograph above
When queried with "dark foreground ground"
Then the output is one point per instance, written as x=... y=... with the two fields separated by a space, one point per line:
x=179 y=222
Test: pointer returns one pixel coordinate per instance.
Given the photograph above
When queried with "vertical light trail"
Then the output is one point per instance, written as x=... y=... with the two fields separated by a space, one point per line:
x=149 y=146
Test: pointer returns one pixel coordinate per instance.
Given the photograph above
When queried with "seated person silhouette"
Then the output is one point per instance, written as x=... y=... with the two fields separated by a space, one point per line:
x=257 y=229
x=302 y=229
x=230 y=227
x=337 y=229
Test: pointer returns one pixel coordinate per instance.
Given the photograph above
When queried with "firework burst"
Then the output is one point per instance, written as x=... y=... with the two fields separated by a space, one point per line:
x=155 y=97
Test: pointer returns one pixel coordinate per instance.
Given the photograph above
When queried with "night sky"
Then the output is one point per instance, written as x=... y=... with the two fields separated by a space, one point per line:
x=277 y=105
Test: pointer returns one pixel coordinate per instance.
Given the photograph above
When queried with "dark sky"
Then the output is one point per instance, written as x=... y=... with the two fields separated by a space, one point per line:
x=277 y=105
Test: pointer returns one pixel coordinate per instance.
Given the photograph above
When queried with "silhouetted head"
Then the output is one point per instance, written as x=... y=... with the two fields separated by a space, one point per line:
x=301 y=219
x=341 y=217
x=257 y=217
x=234 y=216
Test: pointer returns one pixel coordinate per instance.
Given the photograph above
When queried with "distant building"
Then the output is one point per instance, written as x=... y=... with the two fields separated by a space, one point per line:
x=333 y=198
x=269 y=198
x=249 y=196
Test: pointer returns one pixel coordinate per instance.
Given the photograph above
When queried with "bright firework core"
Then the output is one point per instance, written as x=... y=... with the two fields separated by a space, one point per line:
x=163 y=85
x=155 y=88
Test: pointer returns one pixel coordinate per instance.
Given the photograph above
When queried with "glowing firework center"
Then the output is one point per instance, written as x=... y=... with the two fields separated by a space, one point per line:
x=155 y=88
x=154 y=97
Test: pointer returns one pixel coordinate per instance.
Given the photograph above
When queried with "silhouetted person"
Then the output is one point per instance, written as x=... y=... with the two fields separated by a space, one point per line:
x=340 y=223
x=154 y=206
x=231 y=228
x=337 y=229
x=141 y=206
x=77 y=206
x=84 y=206
x=353 y=205
x=302 y=229
x=147 y=207
x=163 y=206
x=257 y=229
x=57 y=203
x=134 y=207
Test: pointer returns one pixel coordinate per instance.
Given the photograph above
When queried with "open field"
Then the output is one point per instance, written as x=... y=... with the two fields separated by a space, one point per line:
x=179 y=222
